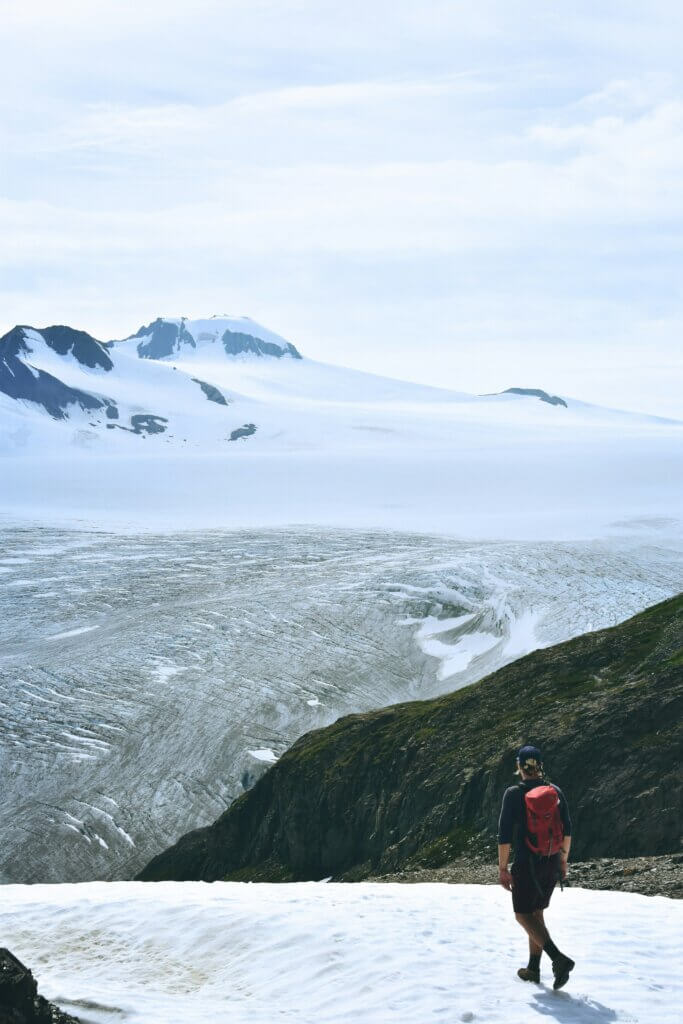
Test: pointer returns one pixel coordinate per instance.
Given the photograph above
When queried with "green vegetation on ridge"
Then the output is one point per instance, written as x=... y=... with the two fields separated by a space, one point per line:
x=421 y=782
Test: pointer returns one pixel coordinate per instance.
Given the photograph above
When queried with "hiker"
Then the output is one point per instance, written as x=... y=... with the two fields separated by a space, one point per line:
x=535 y=815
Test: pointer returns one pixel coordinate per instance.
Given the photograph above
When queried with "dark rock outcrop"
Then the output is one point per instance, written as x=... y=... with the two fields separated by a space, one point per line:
x=536 y=393
x=420 y=783
x=142 y=423
x=246 y=431
x=162 y=338
x=148 y=423
x=236 y=343
x=18 y=379
x=211 y=392
x=83 y=347
x=19 y=999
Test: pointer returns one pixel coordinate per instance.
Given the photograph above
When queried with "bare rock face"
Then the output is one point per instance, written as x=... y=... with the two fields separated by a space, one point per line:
x=19 y=999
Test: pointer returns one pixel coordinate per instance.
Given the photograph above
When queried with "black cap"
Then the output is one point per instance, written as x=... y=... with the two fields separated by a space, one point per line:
x=530 y=757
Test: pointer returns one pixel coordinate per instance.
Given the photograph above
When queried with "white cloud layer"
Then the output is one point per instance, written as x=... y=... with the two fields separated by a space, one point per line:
x=479 y=198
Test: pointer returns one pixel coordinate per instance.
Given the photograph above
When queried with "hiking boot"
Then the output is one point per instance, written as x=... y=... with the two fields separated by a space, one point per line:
x=529 y=974
x=562 y=965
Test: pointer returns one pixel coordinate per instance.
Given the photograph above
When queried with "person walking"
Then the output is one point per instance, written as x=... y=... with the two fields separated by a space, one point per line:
x=535 y=818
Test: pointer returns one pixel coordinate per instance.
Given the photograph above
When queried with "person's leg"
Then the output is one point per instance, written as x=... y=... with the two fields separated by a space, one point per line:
x=532 y=971
x=524 y=903
x=535 y=929
x=533 y=885
x=534 y=948
x=534 y=925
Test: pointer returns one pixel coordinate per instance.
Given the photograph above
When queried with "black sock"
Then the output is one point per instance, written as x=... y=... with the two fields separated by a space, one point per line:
x=551 y=949
x=534 y=962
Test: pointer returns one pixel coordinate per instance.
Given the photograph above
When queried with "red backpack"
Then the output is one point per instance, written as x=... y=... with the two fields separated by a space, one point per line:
x=544 y=830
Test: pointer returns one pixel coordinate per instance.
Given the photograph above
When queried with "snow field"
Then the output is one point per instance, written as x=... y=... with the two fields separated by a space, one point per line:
x=319 y=953
x=332 y=447
x=536 y=491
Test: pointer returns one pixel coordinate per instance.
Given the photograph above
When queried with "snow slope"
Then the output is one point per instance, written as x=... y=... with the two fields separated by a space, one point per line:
x=317 y=953
x=204 y=438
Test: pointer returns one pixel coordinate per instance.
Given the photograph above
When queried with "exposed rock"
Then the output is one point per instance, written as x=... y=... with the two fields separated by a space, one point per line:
x=537 y=393
x=19 y=379
x=236 y=343
x=419 y=784
x=162 y=338
x=82 y=346
x=651 y=876
x=142 y=423
x=211 y=392
x=146 y=423
x=246 y=431
x=19 y=999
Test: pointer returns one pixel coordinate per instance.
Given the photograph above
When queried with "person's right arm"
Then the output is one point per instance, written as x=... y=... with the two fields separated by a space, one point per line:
x=504 y=876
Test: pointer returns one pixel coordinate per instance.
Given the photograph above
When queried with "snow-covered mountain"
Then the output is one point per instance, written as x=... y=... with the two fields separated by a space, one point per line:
x=306 y=442
x=160 y=379
x=125 y=386
x=191 y=380
x=166 y=337
x=25 y=355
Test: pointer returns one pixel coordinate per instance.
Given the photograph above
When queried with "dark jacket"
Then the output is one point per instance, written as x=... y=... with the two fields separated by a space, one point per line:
x=511 y=825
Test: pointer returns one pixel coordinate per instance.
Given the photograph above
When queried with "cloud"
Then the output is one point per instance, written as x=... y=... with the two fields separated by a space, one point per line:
x=129 y=128
x=500 y=174
x=343 y=94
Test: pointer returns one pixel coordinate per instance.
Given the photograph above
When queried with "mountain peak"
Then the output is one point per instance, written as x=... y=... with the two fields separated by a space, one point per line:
x=237 y=336
x=30 y=360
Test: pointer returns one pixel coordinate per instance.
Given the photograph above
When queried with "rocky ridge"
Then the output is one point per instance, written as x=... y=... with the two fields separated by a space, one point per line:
x=418 y=785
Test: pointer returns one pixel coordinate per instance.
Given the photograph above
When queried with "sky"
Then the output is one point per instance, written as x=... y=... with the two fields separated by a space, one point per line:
x=477 y=196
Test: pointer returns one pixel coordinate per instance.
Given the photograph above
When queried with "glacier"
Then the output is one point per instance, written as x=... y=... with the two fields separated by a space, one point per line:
x=146 y=680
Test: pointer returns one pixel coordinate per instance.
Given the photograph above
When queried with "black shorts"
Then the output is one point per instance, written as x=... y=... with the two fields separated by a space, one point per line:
x=533 y=883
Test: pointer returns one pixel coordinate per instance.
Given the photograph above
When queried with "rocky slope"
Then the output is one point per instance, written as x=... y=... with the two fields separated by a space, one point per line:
x=649 y=876
x=419 y=784
x=19 y=999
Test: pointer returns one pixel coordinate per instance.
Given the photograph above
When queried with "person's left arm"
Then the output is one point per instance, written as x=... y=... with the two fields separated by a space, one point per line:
x=505 y=826
x=567 y=830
